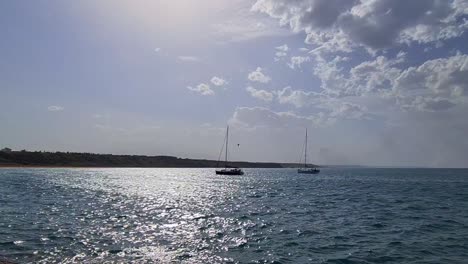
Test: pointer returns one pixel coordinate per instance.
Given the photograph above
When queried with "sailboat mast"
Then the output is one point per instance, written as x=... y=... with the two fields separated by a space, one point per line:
x=227 y=143
x=305 y=153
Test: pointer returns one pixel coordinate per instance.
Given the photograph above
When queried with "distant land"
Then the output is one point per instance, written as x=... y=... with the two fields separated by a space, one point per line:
x=23 y=158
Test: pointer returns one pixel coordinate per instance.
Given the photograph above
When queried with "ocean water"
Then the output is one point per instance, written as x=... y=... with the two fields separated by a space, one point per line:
x=358 y=215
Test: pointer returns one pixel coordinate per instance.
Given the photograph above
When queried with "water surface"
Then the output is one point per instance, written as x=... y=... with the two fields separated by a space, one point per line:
x=265 y=216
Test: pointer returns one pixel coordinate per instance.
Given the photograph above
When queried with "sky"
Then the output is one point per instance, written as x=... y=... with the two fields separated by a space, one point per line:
x=375 y=82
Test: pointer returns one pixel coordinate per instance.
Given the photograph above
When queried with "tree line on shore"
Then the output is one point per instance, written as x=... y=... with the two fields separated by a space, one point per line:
x=73 y=159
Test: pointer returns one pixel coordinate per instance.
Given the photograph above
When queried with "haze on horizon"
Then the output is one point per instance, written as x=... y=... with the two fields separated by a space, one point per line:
x=376 y=82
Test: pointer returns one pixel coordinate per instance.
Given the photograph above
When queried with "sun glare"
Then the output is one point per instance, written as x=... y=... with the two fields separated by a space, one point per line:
x=182 y=15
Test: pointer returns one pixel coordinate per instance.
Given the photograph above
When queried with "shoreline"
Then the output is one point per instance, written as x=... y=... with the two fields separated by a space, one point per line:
x=114 y=167
x=51 y=167
x=38 y=159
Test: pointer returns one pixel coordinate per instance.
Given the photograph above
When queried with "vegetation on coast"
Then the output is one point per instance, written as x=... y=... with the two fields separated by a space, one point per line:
x=72 y=159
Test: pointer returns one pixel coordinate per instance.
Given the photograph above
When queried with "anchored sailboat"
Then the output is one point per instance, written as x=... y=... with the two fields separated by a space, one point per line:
x=227 y=169
x=307 y=170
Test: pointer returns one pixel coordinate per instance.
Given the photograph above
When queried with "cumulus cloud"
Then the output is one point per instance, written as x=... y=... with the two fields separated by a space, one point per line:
x=435 y=79
x=374 y=24
x=260 y=94
x=436 y=82
x=279 y=55
x=332 y=108
x=283 y=48
x=188 y=58
x=303 y=14
x=205 y=89
x=327 y=110
x=245 y=26
x=218 y=81
x=281 y=51
x=346 y=110
x=429 y=104
x=253 y=117
x=297 y=61
x=316 y=17
x=259 y=76
x=333 y=81
x=297 y=98
x=444 y=76
x=55 y=108
x=202 y=88
x=376 y=74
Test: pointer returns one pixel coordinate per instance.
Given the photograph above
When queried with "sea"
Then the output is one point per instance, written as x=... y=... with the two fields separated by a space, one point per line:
x=132 y=215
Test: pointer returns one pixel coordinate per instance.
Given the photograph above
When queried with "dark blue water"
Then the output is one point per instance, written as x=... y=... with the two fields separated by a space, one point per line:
x=265 y=216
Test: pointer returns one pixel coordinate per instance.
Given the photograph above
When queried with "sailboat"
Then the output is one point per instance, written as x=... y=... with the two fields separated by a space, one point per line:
x=227 y=169
x=305 y=169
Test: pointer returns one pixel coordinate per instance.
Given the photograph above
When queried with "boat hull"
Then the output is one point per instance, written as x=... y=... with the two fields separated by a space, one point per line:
x=229 y=172
x=308 y=171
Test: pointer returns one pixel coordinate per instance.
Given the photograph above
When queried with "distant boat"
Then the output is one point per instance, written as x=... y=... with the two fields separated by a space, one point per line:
x=305 y=169
x=228 y=170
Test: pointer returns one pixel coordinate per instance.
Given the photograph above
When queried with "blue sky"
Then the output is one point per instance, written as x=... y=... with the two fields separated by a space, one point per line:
x=376 y=82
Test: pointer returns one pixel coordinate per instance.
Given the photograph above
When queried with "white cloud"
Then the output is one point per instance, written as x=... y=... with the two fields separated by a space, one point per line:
x=218 y=81
x=445 y=76
x=374 y=24
x=297 y=98
x=202 y=88
x=332 y=108
x=283 y=48
x=246 y=28
x=429 y=104
x=346 y=110
x=326 y=110
x=315 y=17
x=436 y=84
x=157 y=49
x=297 y=61
x=253 y=117
x=332 y=78
x=259 y=76
x=239 y=24
x=279 y=55
x=376 y=75
x=205 y=89
x=302 y=14
x=55 y=108
x=281 y=51
x=188 y=58
x=260 y=94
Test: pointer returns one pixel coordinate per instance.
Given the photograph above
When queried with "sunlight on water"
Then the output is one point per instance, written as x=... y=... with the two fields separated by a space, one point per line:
x=194 y=216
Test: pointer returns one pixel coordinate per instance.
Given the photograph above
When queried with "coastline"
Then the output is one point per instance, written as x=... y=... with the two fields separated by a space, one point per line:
x=3 y=166
x=39 y=159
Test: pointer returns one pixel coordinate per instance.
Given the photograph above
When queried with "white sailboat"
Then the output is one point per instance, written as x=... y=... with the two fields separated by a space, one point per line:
x=228 y=170
x=305 y=169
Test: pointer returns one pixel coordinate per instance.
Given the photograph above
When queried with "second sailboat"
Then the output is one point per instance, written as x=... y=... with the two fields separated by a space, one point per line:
x=305 y=169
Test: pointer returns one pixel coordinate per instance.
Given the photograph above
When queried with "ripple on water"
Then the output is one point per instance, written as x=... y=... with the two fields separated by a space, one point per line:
x=265 y=216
